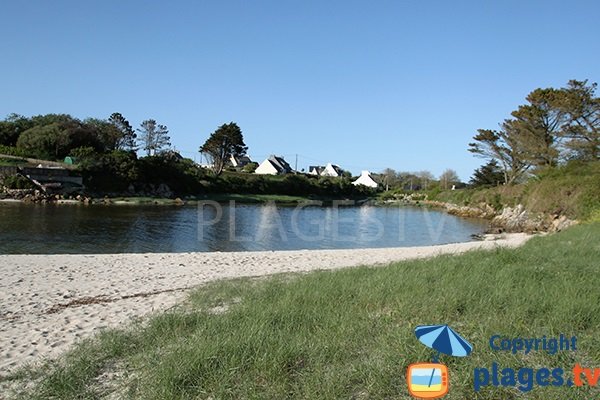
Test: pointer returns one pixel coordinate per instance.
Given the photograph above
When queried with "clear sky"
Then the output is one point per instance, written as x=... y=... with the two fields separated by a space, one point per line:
x=364 y=84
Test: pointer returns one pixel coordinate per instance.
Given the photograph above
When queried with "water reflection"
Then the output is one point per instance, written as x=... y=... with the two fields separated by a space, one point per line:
x=47 y=229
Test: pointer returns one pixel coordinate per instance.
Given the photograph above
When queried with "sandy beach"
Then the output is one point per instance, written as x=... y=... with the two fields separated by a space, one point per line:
x=49 y=302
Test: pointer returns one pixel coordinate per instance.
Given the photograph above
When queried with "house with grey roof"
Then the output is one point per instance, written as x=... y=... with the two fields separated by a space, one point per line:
x=239 y=161
x=274 y=165
x=328 y=170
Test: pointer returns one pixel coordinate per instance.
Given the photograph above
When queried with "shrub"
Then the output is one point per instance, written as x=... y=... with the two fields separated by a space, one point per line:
x=250 y=167
x=12 y=151
x=17 y=182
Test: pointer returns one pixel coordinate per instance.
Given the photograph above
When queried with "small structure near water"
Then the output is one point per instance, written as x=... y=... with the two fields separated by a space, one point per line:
x=50 y=179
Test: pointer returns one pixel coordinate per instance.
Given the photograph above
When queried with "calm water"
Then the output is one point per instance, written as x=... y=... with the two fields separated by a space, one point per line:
x=46 y=229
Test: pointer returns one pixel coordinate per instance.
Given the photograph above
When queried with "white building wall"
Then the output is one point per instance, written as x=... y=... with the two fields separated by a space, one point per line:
x=329 y=171
x=266 y=168
x=365 y=179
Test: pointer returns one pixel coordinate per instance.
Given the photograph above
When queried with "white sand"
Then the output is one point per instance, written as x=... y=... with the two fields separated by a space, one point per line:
x=31 y=285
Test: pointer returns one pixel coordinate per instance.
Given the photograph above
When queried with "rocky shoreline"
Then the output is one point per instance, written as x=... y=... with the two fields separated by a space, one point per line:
x=506 y=220
x=509 y=219
x=36 y=196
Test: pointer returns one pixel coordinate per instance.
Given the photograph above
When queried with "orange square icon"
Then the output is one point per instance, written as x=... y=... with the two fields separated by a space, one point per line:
x=427 y=380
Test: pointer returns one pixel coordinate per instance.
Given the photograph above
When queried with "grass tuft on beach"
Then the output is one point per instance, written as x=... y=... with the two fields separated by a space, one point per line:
x=348 y=334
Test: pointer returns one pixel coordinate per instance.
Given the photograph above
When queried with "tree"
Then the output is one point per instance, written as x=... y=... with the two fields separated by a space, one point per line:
x=582 y=130
x=489 y=174
x=504 y=147
x=390 y=178
x=533 y=137
x=12 y=127
x=153 y=137
x=409 y=180
x=107 y=134
x=127 y=139
x=538 y=125
x=448 y=178
x=47 y=119
x=43 y=142
x=56 y=139
x=77 y=134
x=223 y=143
x=425 y=178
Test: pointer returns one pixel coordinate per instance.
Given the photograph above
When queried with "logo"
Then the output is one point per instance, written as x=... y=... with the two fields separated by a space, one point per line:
x=526 y=378
x=427 y=380
x=431 y=380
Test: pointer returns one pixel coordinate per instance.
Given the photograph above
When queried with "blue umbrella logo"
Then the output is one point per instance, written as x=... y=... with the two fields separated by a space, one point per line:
x=442 y=339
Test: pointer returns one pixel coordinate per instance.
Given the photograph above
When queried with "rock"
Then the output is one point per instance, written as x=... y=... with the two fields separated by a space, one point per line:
x=518 y=219
x=470 y=212
x=561 y=223
x=163 y=190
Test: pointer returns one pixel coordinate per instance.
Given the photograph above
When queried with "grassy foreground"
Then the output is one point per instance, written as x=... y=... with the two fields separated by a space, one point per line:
x=348 y=334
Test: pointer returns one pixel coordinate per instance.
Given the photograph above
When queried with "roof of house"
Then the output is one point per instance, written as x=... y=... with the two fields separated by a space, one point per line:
x=245 y=159
x=280 y=164
x=317 y=168
x=336 y=168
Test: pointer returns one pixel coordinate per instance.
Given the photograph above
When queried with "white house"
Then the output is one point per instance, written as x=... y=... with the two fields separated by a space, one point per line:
x=365 y=180
x=273 y=165
x=328 y=170
x=332 y=170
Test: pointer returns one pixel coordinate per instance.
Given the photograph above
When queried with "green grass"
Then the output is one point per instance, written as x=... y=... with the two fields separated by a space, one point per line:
x=218 y=197
x=254 y=198
x=348 y=334
x=572 y=190
x=139 y=200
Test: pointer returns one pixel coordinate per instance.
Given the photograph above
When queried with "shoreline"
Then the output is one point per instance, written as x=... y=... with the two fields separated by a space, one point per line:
x=143 y=200
x=50 y=302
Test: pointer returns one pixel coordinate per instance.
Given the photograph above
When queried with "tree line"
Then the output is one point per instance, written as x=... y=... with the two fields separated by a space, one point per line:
x=418 y=180
x=553 y=127
x=55 y=136
x=106 y=153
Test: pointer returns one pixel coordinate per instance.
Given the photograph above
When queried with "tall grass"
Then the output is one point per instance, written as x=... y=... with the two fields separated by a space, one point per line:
x=348 y=334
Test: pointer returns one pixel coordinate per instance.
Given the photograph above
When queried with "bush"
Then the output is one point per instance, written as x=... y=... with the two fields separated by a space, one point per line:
x=17 y=182
x=55 y=141
x=12 y=151
x=250 y=167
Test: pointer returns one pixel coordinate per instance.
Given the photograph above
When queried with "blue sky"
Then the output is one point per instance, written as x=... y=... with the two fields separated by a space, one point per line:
x=367 y=85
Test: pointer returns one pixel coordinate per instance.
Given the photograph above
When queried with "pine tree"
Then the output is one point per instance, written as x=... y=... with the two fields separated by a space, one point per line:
x=154 y=137
x=223 y=143
x=127 y=136
x=489 y=174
